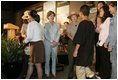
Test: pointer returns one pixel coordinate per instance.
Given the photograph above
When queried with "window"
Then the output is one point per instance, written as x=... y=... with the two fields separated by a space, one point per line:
x=47 y=6
x=62 y=14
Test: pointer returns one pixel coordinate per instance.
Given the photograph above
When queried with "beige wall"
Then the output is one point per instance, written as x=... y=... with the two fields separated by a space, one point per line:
x=75 y=6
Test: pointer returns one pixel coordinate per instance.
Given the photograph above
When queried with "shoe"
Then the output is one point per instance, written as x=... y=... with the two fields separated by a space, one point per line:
x=70 y=77
x=47 y=75
x=54 y=75
x=94 y=77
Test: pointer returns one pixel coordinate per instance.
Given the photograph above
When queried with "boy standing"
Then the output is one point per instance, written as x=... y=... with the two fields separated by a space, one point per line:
x=84 y=45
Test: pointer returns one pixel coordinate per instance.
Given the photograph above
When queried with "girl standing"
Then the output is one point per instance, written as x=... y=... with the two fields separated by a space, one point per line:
x=105 y=64
x=34 y=37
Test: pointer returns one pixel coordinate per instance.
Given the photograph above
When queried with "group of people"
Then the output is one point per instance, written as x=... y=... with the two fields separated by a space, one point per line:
x=42 y=43
x=106 y=40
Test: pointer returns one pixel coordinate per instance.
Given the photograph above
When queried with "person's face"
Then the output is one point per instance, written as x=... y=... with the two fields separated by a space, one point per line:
x=51 y=17
x=29 y=18
x=101 y=12
x=112 y=9
x=74 y=18
x=100 y=5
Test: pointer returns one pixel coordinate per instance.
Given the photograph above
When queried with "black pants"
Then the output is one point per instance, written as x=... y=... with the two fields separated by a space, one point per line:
x=71 y=60
x=97 y=65
x=105 y=64
x=24 y=66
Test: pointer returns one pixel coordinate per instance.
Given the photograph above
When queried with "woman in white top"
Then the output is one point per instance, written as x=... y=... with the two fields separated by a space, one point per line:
x=97 y=30
x=34 y=37
x=105 y=65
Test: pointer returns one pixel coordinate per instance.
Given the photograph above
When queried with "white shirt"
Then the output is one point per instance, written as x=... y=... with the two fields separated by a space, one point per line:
x=104 y=31
x=52 y=32
x=34 y=32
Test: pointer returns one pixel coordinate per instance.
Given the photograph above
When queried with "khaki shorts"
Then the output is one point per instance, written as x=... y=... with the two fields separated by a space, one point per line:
x=83 y=72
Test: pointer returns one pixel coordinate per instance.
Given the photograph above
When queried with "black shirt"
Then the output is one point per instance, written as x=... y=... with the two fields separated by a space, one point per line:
x=85 y=37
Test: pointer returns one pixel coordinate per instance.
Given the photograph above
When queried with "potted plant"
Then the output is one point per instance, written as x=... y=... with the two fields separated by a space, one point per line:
x=11 y=57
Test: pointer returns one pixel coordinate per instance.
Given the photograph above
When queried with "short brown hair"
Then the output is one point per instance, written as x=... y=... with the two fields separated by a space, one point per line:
x=50 y=13
x=113 y=3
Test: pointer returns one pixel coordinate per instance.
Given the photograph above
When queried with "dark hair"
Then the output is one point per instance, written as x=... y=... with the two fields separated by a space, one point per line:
x=98 y=11
x=85 y=10
x=34 y=15
x=25 y=21
x=66 y=22
x=106 y=13
x=50 y=13
x=101 y=2
x=113 y=3
x=103 y=5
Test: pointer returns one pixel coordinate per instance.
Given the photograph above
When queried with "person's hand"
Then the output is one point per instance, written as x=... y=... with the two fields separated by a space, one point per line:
x=109 y=49
x=97 y=44
x=24 y=36
x=97 y=30
x=21 y=44
x=105 y=45
x=24 y=42
x=54 y=44
x=75 y=53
